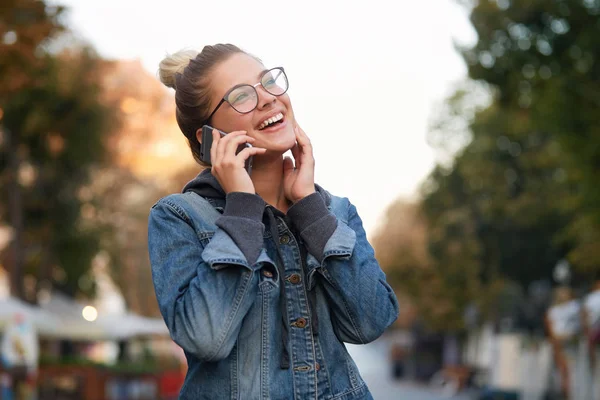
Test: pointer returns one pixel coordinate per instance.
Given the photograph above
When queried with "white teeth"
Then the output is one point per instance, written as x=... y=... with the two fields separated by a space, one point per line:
x=271 y=120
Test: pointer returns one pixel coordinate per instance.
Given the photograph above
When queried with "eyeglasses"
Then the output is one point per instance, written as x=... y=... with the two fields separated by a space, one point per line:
x=244 y=98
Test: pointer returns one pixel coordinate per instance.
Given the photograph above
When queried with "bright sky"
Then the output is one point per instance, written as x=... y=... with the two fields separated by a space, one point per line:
x=364 y=75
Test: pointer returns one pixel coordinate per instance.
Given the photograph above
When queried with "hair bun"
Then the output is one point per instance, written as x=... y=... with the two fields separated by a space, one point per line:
x=174 y=64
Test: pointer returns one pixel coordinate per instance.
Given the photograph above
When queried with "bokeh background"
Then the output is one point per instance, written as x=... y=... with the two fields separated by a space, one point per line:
x=467 y=133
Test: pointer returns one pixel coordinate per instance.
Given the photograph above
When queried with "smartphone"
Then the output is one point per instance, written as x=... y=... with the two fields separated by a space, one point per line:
x=207 y=140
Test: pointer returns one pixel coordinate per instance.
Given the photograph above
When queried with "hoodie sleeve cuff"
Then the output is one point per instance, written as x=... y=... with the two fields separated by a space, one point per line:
x=242 y=221
x=245 y=205
x=314 y=222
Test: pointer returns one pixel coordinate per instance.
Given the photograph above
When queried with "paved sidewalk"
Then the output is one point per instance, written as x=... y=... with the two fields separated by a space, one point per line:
x=373 y=362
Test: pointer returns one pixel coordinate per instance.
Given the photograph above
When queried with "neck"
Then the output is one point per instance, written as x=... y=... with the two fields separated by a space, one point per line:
x=267 y=176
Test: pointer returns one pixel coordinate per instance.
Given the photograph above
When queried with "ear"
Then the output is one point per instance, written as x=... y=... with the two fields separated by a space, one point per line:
x=199 y=135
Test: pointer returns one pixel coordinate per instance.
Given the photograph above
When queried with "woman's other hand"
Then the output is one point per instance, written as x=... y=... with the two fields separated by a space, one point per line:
x=299 y=182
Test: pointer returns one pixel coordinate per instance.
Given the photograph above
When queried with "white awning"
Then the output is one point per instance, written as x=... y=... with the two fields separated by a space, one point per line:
x=45 y=323
x=130 y=325
x=61 y=317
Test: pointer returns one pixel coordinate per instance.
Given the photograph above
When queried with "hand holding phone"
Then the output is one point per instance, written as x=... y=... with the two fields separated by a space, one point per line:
x=206 y=145
x=230 y=156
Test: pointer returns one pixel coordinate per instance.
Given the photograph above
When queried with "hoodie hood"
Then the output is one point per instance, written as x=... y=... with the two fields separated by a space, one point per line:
x=207 y=186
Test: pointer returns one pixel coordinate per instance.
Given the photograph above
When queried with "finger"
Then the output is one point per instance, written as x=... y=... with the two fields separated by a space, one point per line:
x=301 y=131
x=224 y=140
x=303 y=140
x=250 y=151
x=305 y=146
x=234 y=143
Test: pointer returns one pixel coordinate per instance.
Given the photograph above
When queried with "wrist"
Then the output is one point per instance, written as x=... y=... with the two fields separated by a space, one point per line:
x=301 y=196
x=234 y=190
x=240 y=189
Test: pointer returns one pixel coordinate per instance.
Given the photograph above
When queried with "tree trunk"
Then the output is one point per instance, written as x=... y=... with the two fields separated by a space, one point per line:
x=15 y=212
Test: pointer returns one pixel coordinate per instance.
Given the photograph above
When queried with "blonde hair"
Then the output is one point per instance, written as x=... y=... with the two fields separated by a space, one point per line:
x=188 y=72
x=174 y=64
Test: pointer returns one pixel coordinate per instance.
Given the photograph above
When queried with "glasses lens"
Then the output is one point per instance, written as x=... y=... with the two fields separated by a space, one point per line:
x=275 y=82
x=243 y=98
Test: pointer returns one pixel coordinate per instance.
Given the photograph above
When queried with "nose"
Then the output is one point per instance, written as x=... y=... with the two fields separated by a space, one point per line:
x=264 y=98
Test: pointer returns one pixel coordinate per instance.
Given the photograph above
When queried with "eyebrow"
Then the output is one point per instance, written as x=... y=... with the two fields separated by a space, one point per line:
x=261 y=73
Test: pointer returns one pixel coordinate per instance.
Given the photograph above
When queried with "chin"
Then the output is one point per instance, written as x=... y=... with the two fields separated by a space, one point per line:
x=277 y=146
x=280 y=142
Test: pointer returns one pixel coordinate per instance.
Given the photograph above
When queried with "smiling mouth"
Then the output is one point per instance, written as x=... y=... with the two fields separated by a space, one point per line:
x=273 y=121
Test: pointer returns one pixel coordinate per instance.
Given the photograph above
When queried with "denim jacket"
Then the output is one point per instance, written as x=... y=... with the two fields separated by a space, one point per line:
x=243 y=287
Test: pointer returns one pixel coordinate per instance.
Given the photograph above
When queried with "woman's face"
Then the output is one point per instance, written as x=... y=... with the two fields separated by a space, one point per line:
x=240 y=69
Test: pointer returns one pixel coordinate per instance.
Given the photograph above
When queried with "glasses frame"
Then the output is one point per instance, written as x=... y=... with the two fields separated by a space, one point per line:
x=224 y=99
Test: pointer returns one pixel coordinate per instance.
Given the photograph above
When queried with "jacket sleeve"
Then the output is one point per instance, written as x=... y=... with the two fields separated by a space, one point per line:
x=204 y=293
x=362 y=303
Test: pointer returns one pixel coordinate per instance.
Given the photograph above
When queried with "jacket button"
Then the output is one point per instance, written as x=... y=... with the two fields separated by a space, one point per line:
x=300 y=323
x=317 y=366
x=285 y=239
x=294 y=278
x=267 y=273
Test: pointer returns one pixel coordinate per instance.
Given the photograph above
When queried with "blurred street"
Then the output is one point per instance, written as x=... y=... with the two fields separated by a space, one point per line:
x=374 y=365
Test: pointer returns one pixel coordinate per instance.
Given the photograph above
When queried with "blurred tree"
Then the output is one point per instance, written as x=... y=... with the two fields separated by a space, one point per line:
x=53 y=132
x=518 y=187
x=493 y=215
x=504 y=184
x=63 y=111
x=439 y=293
x=541 y=57
x=25 y=26
x=146 y=153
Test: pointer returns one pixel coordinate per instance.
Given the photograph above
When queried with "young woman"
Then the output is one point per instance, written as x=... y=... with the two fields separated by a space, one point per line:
x=260 y=277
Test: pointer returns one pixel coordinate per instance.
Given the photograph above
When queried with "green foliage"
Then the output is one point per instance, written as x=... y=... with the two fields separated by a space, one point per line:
x=57 y=128
x=519 y=191
x=542 y=57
